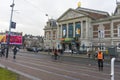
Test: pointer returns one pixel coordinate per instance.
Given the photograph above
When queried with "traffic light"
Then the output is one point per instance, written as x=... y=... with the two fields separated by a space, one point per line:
x=13 y=25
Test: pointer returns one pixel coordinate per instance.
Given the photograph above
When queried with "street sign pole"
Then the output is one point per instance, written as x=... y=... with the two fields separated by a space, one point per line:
x=8 y=39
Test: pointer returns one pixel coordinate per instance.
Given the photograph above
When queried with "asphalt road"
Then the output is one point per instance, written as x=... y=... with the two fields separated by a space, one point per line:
x=36 y=66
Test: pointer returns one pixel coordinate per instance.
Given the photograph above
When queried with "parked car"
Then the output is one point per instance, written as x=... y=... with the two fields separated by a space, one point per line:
x=34 y=49
x=46 y=49
x=39 y=49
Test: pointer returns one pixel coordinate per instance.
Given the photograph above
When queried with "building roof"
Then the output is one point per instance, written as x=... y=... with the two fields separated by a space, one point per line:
x=53 y=22
x=73 y=10
x=95 y=14
x=117 y=10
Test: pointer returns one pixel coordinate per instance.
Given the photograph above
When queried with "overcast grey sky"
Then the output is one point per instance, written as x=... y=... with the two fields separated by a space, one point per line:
x=30 y=14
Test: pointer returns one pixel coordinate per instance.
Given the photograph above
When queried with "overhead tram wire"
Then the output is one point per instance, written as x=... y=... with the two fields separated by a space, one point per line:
x=36 y=7
x=42 y=12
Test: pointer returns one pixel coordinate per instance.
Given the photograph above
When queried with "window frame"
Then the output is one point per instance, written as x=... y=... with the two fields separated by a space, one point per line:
x=118 y=30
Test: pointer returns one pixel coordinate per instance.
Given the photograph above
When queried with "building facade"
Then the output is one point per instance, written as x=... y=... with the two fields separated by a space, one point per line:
x=50 y=34
x=82 y=28
x=106 y=31
x=32 y=41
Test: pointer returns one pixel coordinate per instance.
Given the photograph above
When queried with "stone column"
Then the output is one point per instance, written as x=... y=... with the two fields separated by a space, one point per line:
x=112 y=33
x=67 y=30
x=74 y=29
x=81 y=30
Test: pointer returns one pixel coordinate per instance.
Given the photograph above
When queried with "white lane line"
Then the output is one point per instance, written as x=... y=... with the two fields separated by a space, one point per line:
x=84 y=74
x=68 y=70
x=65 y=76
x=21 y=73
x=65 y=64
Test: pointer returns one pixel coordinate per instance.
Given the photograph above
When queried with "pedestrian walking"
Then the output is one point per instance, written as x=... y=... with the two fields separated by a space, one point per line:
x=61 y=51
x=2 y=51
x=48 y=51
x=100 y=57
x=88 y=54
x=15 y=49
x=55 y=54
x=71 y=51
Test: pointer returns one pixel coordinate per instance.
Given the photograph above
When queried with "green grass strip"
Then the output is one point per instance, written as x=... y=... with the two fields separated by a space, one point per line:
x=7 y=75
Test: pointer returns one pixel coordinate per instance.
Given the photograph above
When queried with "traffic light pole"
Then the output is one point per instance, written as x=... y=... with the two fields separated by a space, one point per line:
x=8 y=39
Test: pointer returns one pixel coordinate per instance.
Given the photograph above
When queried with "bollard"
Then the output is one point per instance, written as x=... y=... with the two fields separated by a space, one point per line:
x=112 y=68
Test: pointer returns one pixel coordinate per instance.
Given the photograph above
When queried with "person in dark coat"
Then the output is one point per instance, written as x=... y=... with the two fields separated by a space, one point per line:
x=15 y=49
x=2 y=51
x=55 y=54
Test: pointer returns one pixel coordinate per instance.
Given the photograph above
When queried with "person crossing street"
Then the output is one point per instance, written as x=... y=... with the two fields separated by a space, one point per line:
x=100 y=57
x=15 y=49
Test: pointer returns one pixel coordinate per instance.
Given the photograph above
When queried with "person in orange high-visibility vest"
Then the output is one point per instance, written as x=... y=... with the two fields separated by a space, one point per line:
x=100 y=57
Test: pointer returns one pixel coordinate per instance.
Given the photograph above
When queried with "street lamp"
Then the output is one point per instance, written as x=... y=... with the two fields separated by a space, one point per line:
x=8 y=39
x=99 y=39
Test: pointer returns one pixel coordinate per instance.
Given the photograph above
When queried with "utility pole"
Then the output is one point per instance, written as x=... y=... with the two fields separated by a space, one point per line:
x=8 y=39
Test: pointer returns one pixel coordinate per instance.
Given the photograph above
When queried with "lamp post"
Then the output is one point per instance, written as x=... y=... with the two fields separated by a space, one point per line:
x=8 y=39
x=100 y=39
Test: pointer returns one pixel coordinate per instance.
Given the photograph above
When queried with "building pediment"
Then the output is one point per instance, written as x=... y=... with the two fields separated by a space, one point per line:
x=71 y=14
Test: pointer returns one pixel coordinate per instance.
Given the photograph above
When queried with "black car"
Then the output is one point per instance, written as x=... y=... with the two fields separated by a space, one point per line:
x=33 y=49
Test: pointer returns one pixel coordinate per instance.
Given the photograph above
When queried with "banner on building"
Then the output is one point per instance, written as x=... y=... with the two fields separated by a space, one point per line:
x=64 y=31
x=68 y=39
x=2 y=38
x=15 y=39
x=77 y=29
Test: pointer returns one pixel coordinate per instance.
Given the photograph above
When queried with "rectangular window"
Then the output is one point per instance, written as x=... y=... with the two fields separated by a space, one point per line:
x=101 y=46
x=70 y=30
x=101 y=34
x=59 y=31
x=118 y=31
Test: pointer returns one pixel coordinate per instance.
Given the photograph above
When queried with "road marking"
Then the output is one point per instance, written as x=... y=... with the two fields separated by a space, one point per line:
x=62 y=63
x=65 y=64
x=69 y=77
x=84 y=74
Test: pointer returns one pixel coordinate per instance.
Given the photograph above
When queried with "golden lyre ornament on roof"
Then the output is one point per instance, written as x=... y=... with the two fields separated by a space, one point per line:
x=79 y=4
